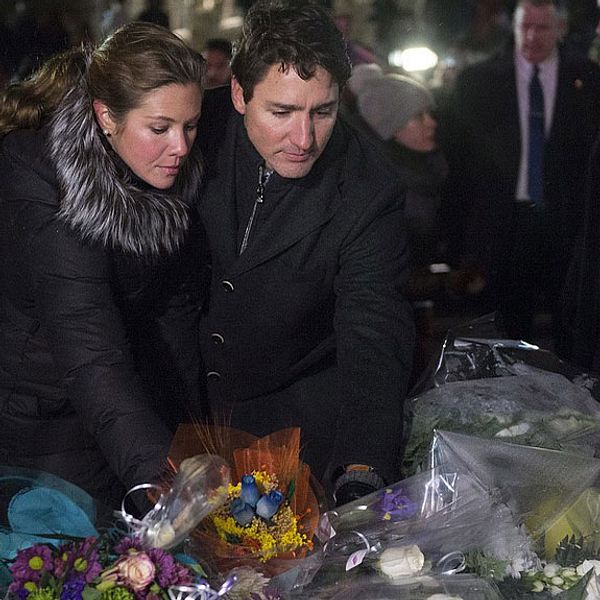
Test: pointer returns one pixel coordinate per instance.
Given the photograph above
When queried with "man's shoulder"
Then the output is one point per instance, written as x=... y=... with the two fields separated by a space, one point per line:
x=366 y=178
x=481 y=73
x=365 y=162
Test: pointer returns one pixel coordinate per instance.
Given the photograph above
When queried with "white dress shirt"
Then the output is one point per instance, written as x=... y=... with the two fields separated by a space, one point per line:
x=548 y=75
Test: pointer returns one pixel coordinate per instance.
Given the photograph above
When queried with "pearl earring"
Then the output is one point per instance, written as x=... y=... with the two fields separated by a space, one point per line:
x=106 y=132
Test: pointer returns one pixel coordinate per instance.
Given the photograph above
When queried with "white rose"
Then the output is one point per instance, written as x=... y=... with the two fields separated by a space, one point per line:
x=401 y=561
x=515 y=430
x=551 y=569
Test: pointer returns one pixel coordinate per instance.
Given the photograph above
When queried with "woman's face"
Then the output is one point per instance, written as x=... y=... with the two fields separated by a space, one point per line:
x=418 y=133
x=154 y=139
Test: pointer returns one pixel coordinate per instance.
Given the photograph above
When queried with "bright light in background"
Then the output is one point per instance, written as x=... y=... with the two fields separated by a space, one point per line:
x=414 y=59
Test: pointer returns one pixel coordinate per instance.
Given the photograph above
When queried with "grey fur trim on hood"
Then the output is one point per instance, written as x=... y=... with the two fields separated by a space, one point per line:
x=103 y=204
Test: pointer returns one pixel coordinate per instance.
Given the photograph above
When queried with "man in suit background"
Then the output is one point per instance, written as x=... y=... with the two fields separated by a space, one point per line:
x=517 y=134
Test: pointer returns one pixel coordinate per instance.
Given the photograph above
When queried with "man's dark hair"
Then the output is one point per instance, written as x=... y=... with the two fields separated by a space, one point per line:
x=291 y=33
x=220 y=45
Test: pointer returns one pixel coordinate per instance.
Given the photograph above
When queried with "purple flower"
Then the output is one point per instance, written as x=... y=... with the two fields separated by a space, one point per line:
x=127 y=544
x=85 y=560
x=168 y=571
x=79 y=558
x=394 y=505
x=31 y=563
x=73 y=589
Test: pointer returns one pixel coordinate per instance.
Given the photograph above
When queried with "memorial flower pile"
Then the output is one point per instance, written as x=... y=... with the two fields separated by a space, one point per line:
x=94 y=569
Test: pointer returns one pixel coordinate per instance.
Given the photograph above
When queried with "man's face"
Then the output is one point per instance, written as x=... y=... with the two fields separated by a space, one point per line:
x=537 y=31
x=289 y=120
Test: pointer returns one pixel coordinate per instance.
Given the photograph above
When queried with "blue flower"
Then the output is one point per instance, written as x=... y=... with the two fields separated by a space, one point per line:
x=268 y=504
x=242 y=513
x=250 y=493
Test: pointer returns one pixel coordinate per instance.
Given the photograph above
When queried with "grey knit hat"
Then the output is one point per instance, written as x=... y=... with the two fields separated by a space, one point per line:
x=362 y=76
x=389 y=102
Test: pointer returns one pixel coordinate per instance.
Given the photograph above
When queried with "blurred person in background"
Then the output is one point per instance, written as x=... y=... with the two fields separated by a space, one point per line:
x=581 y=297
x=400 y=113
x=154 y=13
x=399 y=110
x=517 y=136
x=115 y=16
x=98 y=279
x=217 y=52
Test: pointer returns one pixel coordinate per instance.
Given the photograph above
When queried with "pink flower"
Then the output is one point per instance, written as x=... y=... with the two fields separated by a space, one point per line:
x=136 y=570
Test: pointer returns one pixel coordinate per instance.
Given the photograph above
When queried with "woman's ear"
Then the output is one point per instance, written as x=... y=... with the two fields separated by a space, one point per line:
x=103 y=117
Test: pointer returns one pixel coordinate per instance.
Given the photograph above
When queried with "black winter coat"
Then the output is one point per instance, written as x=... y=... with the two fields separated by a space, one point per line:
x=309 y=326
x=98 y=324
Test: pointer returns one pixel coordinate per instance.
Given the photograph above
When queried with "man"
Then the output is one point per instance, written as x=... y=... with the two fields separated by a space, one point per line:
x=306 y=324
x=517 y=140
x=582 y=302
x=217 y=52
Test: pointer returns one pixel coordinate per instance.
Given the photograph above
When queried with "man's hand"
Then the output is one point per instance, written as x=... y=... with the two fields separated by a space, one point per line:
x=355 y=481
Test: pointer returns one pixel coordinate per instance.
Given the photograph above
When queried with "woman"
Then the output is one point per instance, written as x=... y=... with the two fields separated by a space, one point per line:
x=99 y=302
x=399 y=112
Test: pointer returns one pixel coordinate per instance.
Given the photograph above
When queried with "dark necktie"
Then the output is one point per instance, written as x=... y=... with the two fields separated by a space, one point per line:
x=535 y=175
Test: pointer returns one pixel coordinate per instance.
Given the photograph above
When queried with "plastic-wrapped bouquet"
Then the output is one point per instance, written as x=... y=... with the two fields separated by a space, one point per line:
x=501 y=389
x=271 y=511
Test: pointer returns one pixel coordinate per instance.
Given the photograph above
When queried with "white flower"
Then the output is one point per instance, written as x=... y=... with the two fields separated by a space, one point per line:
x=401 y=561
x=515 y=430
x=551 y=569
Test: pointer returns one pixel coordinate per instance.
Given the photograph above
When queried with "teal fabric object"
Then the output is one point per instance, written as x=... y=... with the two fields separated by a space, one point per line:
x=39 y=505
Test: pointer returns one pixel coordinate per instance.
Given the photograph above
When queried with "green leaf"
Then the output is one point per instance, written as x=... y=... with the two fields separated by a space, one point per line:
x=577 y=592
x=291 y=490
x=90 y=593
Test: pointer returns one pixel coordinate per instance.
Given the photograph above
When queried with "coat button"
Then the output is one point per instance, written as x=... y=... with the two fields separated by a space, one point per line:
x=213 y=376
x=227 y=285
x=217 y=339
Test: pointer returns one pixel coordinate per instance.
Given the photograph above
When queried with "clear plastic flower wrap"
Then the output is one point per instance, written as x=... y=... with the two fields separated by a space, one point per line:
x=477 y=350
x=199 y=488
x=501 y=389
x=540 y=486
x=441 y=511
x=457 y=587
x=423 y=526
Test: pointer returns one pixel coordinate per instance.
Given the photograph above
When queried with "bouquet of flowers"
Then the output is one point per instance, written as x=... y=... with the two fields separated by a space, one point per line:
x=513 y=521
x=95 y=568
x=271 y=511
x=501 y=389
